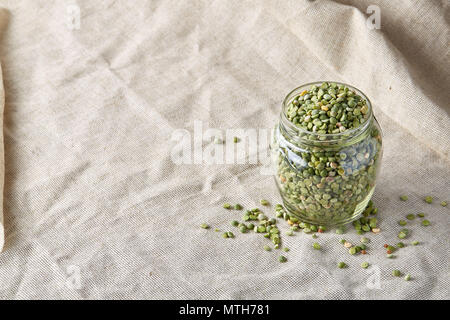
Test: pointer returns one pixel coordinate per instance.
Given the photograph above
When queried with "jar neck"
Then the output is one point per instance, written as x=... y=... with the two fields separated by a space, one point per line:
x=300 y=136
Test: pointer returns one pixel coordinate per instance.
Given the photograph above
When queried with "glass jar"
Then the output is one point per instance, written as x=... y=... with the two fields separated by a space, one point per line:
x=326 y=179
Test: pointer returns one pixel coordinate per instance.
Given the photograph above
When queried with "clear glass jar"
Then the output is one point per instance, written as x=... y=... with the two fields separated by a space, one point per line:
x=326 y=179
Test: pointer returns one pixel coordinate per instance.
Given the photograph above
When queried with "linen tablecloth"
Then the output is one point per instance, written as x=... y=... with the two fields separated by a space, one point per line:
x=98 y=93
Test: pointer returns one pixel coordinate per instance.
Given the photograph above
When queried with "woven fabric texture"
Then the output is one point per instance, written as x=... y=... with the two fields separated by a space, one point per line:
x=95 y=207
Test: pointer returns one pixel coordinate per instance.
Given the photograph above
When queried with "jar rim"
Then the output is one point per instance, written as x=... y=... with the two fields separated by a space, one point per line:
x=325 y=137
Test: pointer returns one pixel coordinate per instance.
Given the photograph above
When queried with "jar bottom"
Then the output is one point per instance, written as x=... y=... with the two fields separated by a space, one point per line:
x=349 y=217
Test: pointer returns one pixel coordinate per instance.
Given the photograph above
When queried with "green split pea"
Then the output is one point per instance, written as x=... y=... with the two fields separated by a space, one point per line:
x=400 y=245
x=228 y=235
x=396 y=273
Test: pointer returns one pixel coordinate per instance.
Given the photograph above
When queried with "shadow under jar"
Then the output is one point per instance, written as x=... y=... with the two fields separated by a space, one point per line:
x=326 y=174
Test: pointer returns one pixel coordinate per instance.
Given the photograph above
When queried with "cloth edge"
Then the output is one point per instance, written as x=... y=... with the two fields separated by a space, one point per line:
x=4 y=15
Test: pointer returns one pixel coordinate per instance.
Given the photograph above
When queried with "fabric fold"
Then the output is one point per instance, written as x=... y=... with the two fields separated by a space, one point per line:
x=382 y=65
x=3 y=22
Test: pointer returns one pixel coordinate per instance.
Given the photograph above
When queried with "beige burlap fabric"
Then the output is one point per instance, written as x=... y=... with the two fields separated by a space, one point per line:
x=95 y=206
x=3 y=22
